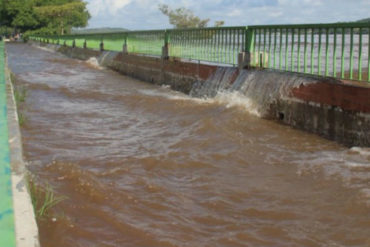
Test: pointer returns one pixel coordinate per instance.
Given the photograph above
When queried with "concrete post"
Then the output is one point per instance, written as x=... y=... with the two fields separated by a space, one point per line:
x=101 y=46
x=166 y=52
x=73 y=44
x=124 y=49
x=244 y=60
x=85 y=44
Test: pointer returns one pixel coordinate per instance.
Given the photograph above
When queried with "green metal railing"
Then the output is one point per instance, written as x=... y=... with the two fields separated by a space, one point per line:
x=336 y=50
x=339 y=50
x=219 y=45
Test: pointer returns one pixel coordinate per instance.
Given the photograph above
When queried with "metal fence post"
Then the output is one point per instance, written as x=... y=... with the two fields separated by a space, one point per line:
x=102 y=44
x=166 y=47
x=245 y=57
x=125 y=48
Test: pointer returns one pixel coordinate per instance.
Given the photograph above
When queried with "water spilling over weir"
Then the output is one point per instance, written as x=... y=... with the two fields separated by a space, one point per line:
x=246 y=89
x=142 y=165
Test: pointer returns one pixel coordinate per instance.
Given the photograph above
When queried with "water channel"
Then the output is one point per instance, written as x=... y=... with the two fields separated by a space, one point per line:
x=142 y=165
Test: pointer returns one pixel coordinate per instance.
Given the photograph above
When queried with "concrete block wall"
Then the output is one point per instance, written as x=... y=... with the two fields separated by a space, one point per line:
x=330 y=108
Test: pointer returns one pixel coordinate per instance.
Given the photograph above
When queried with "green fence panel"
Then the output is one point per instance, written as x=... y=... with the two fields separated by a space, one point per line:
x=340 y=50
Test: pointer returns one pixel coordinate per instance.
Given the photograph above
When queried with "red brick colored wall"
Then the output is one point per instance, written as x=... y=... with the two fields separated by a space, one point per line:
x=348 y=97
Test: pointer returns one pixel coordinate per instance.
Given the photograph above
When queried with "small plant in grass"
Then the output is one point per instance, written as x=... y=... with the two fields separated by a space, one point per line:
x=22 y=119
x=20 y=94
x=43 y=199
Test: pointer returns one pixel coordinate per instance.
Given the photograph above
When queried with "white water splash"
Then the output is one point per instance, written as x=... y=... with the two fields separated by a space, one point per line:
x=51 y=49
x=255 y=90
x=93 y=62
x=236 y=99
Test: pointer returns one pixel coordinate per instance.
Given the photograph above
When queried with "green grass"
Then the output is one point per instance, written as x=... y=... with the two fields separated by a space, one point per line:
x=43 y=199
x=20 y=94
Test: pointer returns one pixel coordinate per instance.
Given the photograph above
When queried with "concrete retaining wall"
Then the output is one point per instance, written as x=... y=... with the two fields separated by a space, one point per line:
x=26 y=231
x=330 y=108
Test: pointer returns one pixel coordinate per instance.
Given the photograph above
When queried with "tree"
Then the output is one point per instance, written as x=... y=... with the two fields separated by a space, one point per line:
x=18 y=14
x=43 y=16
x=61 y=18
x=219 y=23
x=182 y=17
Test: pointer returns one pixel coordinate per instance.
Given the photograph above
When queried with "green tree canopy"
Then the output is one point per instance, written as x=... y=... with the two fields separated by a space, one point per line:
x=61 y=18
x=185 y=18
x=43 y=16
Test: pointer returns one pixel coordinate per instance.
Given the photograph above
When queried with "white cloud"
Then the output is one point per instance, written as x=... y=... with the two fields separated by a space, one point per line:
x=234 y=13
x=144 y=14
x=106 y=6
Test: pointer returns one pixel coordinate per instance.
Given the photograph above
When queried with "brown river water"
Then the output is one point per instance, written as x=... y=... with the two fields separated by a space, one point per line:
x=142 y=165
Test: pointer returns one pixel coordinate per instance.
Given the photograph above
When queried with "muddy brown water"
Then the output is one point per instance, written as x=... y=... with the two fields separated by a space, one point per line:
x=142 y=165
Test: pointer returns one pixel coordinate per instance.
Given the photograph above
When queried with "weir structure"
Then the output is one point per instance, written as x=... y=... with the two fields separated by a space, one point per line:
x=325 y=65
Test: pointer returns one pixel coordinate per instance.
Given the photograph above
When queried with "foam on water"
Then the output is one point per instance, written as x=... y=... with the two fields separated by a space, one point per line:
x=351 y=166
x=45 y=48
x=93 y=62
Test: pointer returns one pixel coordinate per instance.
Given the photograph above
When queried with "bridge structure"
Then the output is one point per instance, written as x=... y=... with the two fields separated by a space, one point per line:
x=339 y=50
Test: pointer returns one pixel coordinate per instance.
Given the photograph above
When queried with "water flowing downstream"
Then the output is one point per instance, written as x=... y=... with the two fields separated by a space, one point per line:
x=142 y=165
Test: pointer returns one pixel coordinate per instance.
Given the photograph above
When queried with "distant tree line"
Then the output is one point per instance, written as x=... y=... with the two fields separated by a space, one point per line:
x=42 y=16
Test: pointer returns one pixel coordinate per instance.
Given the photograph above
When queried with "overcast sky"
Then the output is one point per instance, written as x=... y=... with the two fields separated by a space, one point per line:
x=144 y=14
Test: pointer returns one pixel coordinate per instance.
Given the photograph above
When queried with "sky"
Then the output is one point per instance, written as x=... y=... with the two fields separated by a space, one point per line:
x=144 y=14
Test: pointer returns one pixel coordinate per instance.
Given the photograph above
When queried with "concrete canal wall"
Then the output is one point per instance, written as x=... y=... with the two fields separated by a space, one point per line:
x=336 y=110
x=17 y=219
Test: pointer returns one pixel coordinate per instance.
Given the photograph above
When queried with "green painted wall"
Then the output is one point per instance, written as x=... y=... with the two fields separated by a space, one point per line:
x=7 y=234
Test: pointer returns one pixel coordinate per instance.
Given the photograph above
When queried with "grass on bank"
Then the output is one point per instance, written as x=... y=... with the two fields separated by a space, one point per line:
x=20 y=94
x=42 y=196
x=43 y=199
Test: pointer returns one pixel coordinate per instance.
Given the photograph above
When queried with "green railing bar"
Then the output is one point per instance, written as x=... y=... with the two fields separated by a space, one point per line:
x=219 y=43
x=270 y=53
x=323 y=25
x=230 y=47
x=224 y=31
x=299 y=50
x=305 y=51
x=327 y=53
x=204 y=34
x=335 y=53
x=351 y=55
x=360 y=55
x=259 y=47
x=275 y=40
x=320 y=51
x=343 y=54
x=251 y=42
x=312 y=49
x=368 y=55
x=292 y=52
x=264 y=48
x=286 y=48
x=280 y=49
x=234 y=44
